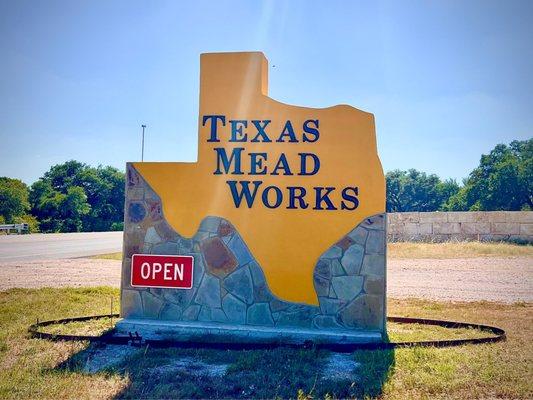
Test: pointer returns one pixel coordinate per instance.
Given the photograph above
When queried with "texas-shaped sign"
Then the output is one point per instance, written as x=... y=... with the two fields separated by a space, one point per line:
x=292 y=180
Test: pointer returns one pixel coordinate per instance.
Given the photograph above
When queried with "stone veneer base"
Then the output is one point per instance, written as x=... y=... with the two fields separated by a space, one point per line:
x=210 y=332
x=230 y=287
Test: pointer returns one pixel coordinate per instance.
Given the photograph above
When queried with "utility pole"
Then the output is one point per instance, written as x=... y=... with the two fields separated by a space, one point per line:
x=142 y=150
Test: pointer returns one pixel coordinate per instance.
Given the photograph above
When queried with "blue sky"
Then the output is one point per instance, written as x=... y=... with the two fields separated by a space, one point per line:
x=446 y=80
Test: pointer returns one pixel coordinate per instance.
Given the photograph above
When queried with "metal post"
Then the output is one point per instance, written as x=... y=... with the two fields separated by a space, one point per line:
x=142 y=151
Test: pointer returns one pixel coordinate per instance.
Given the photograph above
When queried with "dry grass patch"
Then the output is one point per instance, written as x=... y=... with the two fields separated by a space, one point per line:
x=110 y=256
x=93 y=327
x=433 y=250
x=457 y=250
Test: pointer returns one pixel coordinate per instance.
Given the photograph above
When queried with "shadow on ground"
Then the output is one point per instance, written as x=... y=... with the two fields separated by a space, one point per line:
x=209 y=373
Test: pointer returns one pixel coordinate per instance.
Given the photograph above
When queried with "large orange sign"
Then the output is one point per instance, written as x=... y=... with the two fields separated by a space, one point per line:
x=292 y=180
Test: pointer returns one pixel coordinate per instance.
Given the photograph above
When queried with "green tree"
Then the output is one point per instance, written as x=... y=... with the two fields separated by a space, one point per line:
x=502 y=181
x=105 y=192
x=33 y=223
x=13 y=199
x=413 y=190
x=61 y=212
x=73 y=207
x=47 y=207
x=76 y=197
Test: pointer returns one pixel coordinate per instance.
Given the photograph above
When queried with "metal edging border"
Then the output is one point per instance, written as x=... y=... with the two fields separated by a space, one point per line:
x=110 y=338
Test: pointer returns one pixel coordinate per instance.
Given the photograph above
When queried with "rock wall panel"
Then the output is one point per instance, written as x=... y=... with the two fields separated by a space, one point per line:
x=230 y=287
x=459 y=225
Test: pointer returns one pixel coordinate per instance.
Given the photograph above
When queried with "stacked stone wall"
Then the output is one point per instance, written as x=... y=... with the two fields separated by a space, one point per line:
x=468 y=225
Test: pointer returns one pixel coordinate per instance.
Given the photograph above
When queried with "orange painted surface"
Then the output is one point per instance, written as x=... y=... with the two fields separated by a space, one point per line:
x=286 y=242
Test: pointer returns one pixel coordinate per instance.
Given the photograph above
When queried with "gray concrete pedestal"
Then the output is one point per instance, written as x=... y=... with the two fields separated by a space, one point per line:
x=220 y=333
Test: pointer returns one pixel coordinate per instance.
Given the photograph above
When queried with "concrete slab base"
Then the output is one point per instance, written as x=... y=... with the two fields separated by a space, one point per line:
x=220 y=333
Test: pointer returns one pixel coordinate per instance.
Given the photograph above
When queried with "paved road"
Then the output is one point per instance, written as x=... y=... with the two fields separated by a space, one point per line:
x=36 y=247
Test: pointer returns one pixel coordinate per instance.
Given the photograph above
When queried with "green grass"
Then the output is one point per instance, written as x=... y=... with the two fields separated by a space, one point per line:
x=28 y=366
x=32 y=368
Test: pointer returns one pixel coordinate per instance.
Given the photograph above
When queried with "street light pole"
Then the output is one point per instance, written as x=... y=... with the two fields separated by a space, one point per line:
x=142 y=149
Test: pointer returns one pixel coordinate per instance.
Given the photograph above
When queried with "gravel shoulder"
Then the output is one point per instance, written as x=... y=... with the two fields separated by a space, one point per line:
x=72 y=272
x=461 y=279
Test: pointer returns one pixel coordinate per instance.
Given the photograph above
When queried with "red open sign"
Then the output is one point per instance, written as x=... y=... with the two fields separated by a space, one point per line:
x=160 y=271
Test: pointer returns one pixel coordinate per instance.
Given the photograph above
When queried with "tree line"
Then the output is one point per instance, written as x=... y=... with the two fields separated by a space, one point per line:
x=503 y=181
x=75 y=197
x=70 y=197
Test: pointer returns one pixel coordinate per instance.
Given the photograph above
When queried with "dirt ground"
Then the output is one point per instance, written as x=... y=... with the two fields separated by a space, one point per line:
x=72 y=272
x=462 y=279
